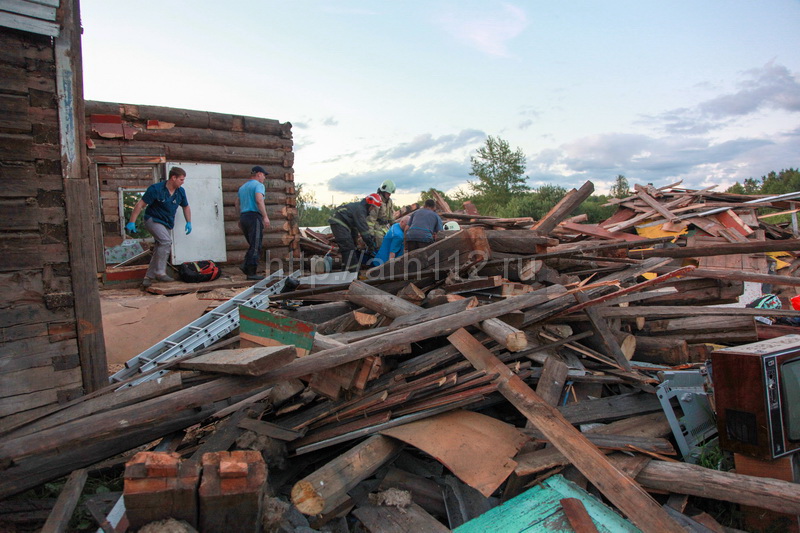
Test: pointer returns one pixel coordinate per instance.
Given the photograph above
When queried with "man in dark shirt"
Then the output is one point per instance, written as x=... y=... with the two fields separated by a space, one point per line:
x=348 y=222
x=160 y=202
x=423 y=226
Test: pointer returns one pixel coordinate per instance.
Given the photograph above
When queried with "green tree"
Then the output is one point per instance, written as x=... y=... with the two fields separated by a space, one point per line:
x=500 y=172
x=534 y=204
x=774 y=183
x=309 y=214
x=621 y=189
x=425 y=195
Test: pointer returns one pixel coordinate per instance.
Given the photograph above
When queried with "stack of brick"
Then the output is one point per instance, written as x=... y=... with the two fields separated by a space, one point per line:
x=231 y=491
x=159 y=485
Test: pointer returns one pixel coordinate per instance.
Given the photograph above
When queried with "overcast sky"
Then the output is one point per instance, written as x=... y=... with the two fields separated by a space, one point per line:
x=706 y=91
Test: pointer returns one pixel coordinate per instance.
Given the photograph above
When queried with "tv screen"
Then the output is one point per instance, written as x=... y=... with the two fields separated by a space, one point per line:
x=790 y=386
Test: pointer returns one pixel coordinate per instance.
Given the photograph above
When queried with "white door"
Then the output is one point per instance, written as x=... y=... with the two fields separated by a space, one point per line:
x=203 y=187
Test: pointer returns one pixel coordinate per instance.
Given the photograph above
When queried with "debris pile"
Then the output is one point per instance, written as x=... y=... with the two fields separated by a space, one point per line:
x=513 y=367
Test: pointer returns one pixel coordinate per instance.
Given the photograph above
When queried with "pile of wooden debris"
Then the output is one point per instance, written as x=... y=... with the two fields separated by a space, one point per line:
x=510 y=369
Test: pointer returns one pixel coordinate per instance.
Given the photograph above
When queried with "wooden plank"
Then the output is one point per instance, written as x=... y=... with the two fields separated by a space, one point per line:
x=656 y=205
x=21 y=22
x=270 y=430
x=788 y=245
x=58 y=521
x=577 y=515
x=620 y=489
x=242 y=361
x=605 y=335
x=36 y=10
x=563 y=208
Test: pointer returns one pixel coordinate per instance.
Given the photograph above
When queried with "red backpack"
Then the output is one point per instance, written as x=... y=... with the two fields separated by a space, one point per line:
x=199 y=271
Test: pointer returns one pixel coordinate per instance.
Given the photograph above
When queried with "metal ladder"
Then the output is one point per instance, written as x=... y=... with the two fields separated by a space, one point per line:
x=202 y=332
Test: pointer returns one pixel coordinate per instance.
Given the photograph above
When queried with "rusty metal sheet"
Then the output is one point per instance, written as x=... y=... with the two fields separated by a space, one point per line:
x=477 y=448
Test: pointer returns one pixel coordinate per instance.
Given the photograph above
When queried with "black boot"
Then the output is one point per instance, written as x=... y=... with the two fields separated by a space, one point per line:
x=250 y=270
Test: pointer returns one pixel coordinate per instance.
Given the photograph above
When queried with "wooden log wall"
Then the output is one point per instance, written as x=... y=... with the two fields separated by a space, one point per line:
x=40 y=363
x=237 y=143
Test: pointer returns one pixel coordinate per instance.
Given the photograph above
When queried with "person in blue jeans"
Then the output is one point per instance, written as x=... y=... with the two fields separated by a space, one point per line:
x=393 y=242
x=253 y=219
x=160 y=203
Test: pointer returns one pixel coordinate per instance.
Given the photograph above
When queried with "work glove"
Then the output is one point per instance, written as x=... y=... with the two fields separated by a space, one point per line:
x=188 y=228
x=130 y=227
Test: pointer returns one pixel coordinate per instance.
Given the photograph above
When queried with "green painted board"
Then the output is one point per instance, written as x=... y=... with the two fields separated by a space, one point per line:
x=284 y=330
x=539 y=510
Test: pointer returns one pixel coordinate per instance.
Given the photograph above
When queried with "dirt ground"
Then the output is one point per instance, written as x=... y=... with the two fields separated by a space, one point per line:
x=134 y=320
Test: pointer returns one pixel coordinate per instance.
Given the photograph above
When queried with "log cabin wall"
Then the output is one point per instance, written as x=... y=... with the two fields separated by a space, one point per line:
x=51 y=336
x=129 y=143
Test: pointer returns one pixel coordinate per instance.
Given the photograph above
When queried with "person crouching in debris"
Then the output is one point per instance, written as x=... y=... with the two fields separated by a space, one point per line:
x=347 y=223
x=380 y=220
x=423 y=226
x=252 y=219
x=393 y=242
x=161 y=201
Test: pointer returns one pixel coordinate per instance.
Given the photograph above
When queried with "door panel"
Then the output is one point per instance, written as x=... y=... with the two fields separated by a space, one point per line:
x=203 y=187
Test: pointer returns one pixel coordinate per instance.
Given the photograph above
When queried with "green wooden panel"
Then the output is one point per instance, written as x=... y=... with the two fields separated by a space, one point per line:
x=282 y=329
x=539 y=510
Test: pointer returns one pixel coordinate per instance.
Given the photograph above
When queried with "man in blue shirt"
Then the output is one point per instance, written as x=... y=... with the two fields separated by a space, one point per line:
x=423 y=226
x=161 y=201
x=392 y=245
x=253 y=219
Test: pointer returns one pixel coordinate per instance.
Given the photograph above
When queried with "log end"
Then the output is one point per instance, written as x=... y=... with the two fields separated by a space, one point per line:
x=517 y=341
x=306 y=498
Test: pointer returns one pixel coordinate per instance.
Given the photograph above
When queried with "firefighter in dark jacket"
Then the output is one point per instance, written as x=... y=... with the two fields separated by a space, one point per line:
x=348 y=222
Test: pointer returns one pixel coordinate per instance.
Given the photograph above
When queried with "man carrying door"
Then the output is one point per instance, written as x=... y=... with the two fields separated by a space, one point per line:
x=161 y=201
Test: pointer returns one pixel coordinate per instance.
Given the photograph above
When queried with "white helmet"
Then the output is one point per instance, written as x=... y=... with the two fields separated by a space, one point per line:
x=387 y=186
x=451 y=226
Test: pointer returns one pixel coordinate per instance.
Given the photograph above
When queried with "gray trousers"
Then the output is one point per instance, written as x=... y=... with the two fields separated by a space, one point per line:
x=163 y=238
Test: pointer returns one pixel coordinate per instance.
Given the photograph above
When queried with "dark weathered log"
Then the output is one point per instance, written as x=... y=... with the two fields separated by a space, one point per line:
x=393 y=307
x=190 y=118
x=660 y=350
x=620 y=489
x=684 y=478
x=564 y=208
x=513 y=269
x=214 y=137
x=712 y=273
x=520 y=241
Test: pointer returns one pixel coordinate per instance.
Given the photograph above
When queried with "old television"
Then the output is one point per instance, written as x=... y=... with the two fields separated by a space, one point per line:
x=757 y=397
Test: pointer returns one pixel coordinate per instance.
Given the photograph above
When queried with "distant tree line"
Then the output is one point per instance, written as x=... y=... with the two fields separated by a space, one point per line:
x=499 y=189
x=774 y=183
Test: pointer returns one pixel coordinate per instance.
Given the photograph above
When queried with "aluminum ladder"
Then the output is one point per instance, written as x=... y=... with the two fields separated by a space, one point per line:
x=203 y=332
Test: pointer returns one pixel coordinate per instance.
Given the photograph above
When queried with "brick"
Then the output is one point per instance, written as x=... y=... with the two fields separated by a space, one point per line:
x=159 y=485
x=231 y=491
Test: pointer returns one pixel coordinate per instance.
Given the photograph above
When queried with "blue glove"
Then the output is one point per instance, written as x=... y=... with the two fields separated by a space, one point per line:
x=188 y=228
x=131 y=227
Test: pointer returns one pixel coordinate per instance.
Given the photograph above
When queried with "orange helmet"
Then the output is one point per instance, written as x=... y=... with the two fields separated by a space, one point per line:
x=374 y=199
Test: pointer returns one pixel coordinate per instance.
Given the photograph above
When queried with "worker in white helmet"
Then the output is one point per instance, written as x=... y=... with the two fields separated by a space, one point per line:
x=381 y=219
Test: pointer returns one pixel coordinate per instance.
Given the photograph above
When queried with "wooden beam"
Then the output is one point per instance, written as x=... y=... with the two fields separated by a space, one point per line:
x=58 y=521
x=619 y=488
x=563 y=208
x=315 y=492
x=80 y=217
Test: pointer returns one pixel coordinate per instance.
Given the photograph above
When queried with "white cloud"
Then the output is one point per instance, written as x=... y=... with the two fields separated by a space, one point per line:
x=489 y=31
